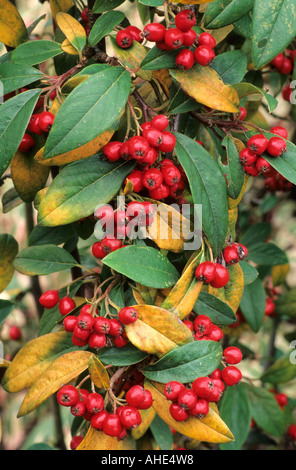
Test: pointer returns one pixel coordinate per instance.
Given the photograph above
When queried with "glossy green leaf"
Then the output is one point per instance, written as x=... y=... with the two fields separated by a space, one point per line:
x=79 y=188
x=15 y=76
x=231 y=66
x=282 y=371
x=14 y=117
x=92 y=108
x=252 y=304
x=267 y=254
x=222 y=13
x=208 y=187
x=157 y=59
x=274 y=27
x=129 y=355
x=186 y=363
x=105 y=5
x=256 y=233
x=143 y=264
x=232 y=169
x=250 y=273
x=6 y=307
x=218 y=311
x=254 y=93
x=152 y=3
x=104 y=25
x=161 y=433
x=42 y=260
x=50 y=235
x=35 y=52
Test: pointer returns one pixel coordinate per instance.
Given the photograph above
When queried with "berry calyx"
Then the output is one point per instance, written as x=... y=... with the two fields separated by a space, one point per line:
x=258 y=143
x=124 y=39
x=94 y=402
x=174 y=38
x=68 y=395
x=178 y=413
x=187 y=399
x=206 y=272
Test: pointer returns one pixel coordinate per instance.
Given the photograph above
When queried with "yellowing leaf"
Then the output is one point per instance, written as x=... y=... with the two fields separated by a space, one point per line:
x=233 y=291
x=96 y=440
x=98 y=373
x=145 y=295
x=64 y=369
x=132 y=58
x=72 y=29
x=279 y=274
x=209 y=429
x=147 y=418
x=68 y=48
x=206 y=87
x=12 y=28
x=28 y=176
x=157 y=331
x=8 y=251
x=57 y=6
x=233 y=203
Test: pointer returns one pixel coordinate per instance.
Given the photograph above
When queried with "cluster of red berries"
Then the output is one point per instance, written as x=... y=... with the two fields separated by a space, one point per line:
x=284 y=62
x=91 y=407
x=203 y=328
x=211 y=273
x=119 y=224
x=194 y=399
x=234 y=253
x=251 y=156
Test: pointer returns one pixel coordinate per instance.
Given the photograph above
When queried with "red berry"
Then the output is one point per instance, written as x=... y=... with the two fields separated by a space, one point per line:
x=264 y=167
x=216 y=374
x=185 y=59
x=286 y=67
x=80 y=333
x=135 y=33
x=147 y=402
x=68 y=395
x=78 y=409
x=202 y=324
x=187 y=399
x=173 y=389
x=112 y=425
x=49 y=299
x=189 y=324
x=84 y=15
x=278 y=61
x=102 y=325
x=135 y=177
x=112 y=151
x=292 y=432
x=154 y=32
x=79 y=342
x=120 y=341
x=124 y=151
x=247 y=157
x=286 y=93
x=151 y=156
x=200 y=409
x=189 y=37
x=128 y=315
x=130 y=417
x=178 y=413
x=75 y=442
x=161 y=192
x=135 y=396
x=206 y=39
x=46 y=121
x=242 y=114
x=174 y=38
x=177 y=189
x=231 y=375
x=110 y=244
x=94 y=402
x=135 y=209
x=230 y=254
x=85 y=320
x=154 y=136
x=204 y=55
x=98 y=251
x=116 y=327
x=66 y=305
x=269 y=307
x=34 y=125
x=276 y=147
x=171 y=175
x=251 y=170
x=185 y=19
x=258 y=143
x=281 y=399
x=271 y=183
x=221 y=276
x=97 y=420
x=97 y=340
x=280 y=131
x=215 y=333
x=27 y=143
x=124 y=39
x=152 y=178
x=168 y=142
x=232 y=355
x=160 y=122
x=206 y=272
x=15 y=333
x=205 y=388
x=138 y=147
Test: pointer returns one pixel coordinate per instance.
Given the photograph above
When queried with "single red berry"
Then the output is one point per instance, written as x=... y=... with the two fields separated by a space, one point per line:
x=271 y=184
x=160 y=122
x=94 y=402
x=185 y=59
x=147 y=402
x=202 y=324
x=282 y=399
x=78 y=409
x=124 y=151
x=102 y=325
x=124 y=39
x=27 y=143
x=174 y=38
x=154 y=32
x=251 y=170
x=112 y=151
x=68 y=395
x=120 y=341
x=168 y=142
x=130 y=417
x=292 y=432
x=216 y=374
x=178 y=413
x=84 y=15
x=247 y=157
x=151 y=156
x=97 y=340
x=15 y=333
x=206 y=272
x=278 y=61
x=230 y=254
x=135 y=396
x=177 y=189
x=152 y=178
x=66 y=305
x=135 y=177
x=280 y=131
x=138 y=147
x=161 y=192
x=173 y=389
x=276 y=147
x=85 y=320
x=112 y=425
x=162 y=45
x=206 y=39
x=205 y=388
x=81 y=334
x=242 y=114
x=232 y=355
x=75 y=442
x=154 y=136
x=34 y=125
x=128 y=315
x=79 y=342
x=187 y=399
x=189 y=324
x=221 y=276
x=287 y=92
x=189 y=37
x=49 y=299
x=97 y=250
x=231 y=375
x=200 y=409
x=116 y=327
x=89 y=308
x=286 y=67
x=204 y=55
x=264 y=167
x=46 y=121
x=269 y=307
x=110 y=244
x=185 y=19
x=97 y=420
x=215 y=333
x=258 y=143
x=135 y=33
x=171 y=175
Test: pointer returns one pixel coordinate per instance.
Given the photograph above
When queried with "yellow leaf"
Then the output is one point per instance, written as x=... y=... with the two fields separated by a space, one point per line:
x=96 y=440
x=145 y=295
x=184 y=294
x=4 y=363
x=68 y=48
x=221 y=33
x=57 y=6
x=64 y=369
x=147 y=418
x=232 y=220
x=233 y=203
x=233 y=291
x=72 y=29
x=157 y=331
x=128 y=443
x=209 y=429
x=164 y=79
x=279 y=274
x=28 y=176
x=39 y=196
x=98 y=373
x=206 y=87
x=8 y=251
x=33 y=359
x=12 y=28
x=169 y=228
x=132 y=58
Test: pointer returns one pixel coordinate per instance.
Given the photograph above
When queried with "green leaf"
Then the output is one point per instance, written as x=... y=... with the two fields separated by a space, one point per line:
x=157 y=59
x=282 y=371
x=222 y=13
x=246 y=90
x=10 y=200
x=182 y=103
x=104 y=25
x=92 y=107
x=265 y=410
x=32 y=26
x=285 y=304
x=208 y=187
x=274 y=27
x=232 y=169
x=252 y=304
x=105 y=5
x=244 y=25
x=6 y=307
x=256 y=233
x=218 y=311
x=50 y=235
x=162 y=433
x=8 y=252
x=42 y=260
x=152 y=3
x=14 y=117
x=231 y=66
x=236 y=413
x=267 y=254
x=129 y=355
x=15 y=76
x=143 y=264
x=286 y=164
x=79 y=188
x=186 y=363
x=250 y=273
x=36 y=52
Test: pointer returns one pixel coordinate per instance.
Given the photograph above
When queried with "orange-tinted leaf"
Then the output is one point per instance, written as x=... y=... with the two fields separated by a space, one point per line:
x=233 y=291
x=147 y=418
x=57 y=6
x=12 y=28
x=279 y=274
x=98 y=373
x=68 y=48
x=72 y=29
x=96 y=440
